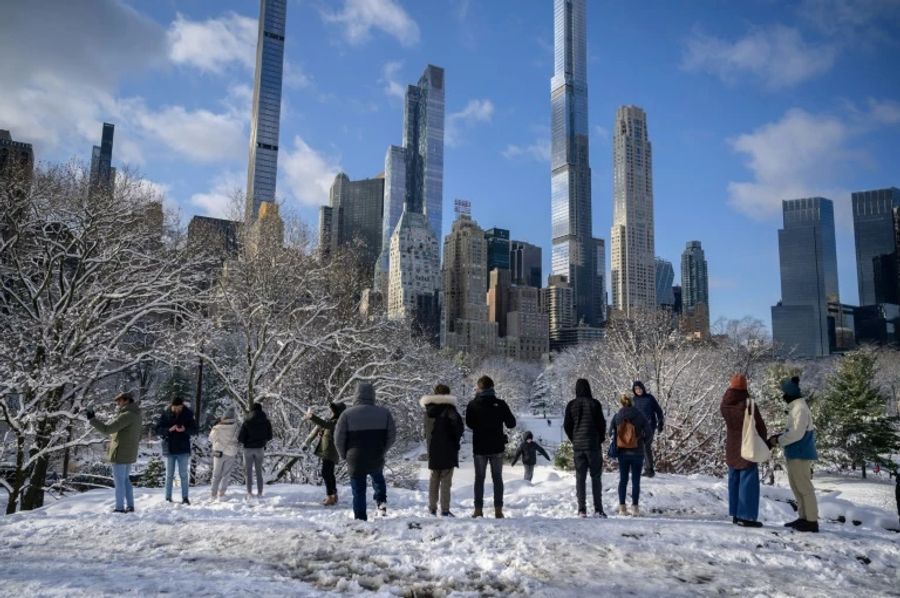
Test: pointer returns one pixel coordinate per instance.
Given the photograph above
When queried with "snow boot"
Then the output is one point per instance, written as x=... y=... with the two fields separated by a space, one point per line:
x=748 y=523
x=185 y=501
x=477 y=513
x=129 y=509
x=330 y=500
x=622 y=510
x=635 y=511
x=498 y=512
x=119 y=511
x=599 y=515
x=734 y=520
x=794 y=523
x=432 y=512
x=447 y=514
x=808 y=526
x=582 y=514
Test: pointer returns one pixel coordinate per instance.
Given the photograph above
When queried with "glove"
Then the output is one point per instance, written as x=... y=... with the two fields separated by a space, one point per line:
x=89 y=414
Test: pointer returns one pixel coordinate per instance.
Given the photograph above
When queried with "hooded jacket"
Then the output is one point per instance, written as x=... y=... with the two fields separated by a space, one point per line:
x=364 y=433
x=256 y=431
x=125 y=434
x=642 y=426
x=224 y=437
x=326 y=449
x=528 y=451
x=584 y=423
x=177 y=443
x=733 y=408
x=649 y=408
x=486 y=415
x=443 y=430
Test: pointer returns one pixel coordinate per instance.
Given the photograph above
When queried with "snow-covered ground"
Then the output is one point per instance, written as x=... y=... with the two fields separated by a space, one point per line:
x=288 y=545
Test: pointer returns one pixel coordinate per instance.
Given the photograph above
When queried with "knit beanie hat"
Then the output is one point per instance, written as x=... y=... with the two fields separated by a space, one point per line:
x=791 y=389
x=738 y=382
x=228 y=413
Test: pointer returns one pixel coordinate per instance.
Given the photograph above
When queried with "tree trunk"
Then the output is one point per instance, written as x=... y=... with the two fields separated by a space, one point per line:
x=34 y=494
x=863 y=468
x=285 y=469
x=65 y=467
x=18 y=477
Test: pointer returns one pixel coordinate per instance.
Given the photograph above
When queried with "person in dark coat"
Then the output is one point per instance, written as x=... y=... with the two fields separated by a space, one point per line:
x=649 y=407
x=175 y=427
x=743 y=475
x=631 y=459
x=326 y=449
x=363 y=435
x=255 y=434
x=585 y=427
x=443 y=430
x=486 y=415
x=528 y=451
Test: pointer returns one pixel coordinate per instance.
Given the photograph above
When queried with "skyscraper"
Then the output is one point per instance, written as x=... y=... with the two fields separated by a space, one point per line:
x=694 y=275
x=414 y=172
x=264 y=124
x=633 y=263
x=527 y=327
x=414 y=281
x=573 y=254
x=497 y=248
x=353 y=216
x=526 y=265
x=16 y=160
x=557 y=302
x=665 y=276
x=103 y=175
x=809 y=280
x=599 y=251
x=873 y=230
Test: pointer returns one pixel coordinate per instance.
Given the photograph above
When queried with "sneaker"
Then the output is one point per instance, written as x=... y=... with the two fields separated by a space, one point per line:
x=734 y=520
x=432 y=512
x=622 y=510
x=582 y=514
x=168 y=499
x=129 y=509
x=447 y=514
x=748 y=523
x=649 y=474
x=794 y=523
x=808 y=526
x=119 y=511
x=477 y=513
x=635 y=511
x=382 y=509
x=498 y=512
x=599 y=515
x=185 y=501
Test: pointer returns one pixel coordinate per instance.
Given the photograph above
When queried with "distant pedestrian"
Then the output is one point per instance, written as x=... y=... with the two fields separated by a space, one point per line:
x=124 y=431
x=443 y=430
x=628 y=429
x=225 y=446
x=255 y=434
x=175 y=427
x=799 y=444
x=363 y=435
x=585 y=427
x=743 y=475
x=326 y=449
x=486 y=415
x=528 y=451
x=649 y=407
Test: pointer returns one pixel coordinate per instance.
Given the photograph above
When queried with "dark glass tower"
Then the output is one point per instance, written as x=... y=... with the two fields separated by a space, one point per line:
x=497 y=250
x=573 y=252
x=526 y=264
x=263 y=164
x=103 y=175
x=873 y=229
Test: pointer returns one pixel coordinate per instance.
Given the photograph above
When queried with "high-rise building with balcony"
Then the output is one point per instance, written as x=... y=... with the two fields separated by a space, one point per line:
x=873 y=231
x=526 y=266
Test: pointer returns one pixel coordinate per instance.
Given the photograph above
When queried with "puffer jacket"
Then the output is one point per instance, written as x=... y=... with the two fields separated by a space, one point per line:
x=584 y=423
x=486 y=415
x=125 y=434
x=733 y=408
x=256 y=431
x=364 y=433
x=224 y=437
x=649 y=408
x=443 y=430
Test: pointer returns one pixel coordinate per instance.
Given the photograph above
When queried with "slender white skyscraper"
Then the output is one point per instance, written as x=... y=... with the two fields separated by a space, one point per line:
x=263 y=164
x=574 y=250
x=633 y=257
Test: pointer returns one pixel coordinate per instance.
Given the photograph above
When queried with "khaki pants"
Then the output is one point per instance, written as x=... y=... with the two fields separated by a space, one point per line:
x=440 y=482
x=800 y=478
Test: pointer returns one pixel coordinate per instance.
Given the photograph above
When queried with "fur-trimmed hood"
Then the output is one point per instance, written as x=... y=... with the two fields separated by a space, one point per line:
x=437 y=400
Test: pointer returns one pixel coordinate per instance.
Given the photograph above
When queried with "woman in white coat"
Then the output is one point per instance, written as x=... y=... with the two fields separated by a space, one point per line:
x=224 y=439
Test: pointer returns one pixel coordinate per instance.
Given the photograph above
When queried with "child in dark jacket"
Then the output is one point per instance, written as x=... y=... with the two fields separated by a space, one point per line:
x=528 y=451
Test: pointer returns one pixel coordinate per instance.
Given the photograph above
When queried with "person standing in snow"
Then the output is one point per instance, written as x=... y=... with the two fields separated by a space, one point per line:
x=125 y=435
x=175 y=427
x=743 y=475
x=443 y=430
x=649 y=407
x=363 y=434
x=224 y=440
x=585 y=427
x=326 y=450
x=255 y=434
x=799 y=444
x=486 y=415
x=528 y=451
x=628 y=429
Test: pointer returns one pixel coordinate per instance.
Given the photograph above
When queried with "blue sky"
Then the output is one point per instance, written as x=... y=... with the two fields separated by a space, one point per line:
x=748 y=103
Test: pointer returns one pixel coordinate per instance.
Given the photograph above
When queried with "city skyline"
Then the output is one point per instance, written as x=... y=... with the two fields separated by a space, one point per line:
x=180 y=124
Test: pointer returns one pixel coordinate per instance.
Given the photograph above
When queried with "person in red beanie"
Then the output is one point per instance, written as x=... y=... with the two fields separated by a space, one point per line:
x=743 y=475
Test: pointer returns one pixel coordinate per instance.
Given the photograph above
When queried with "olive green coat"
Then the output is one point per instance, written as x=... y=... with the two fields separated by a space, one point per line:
x=125 y=432
x=326 y=448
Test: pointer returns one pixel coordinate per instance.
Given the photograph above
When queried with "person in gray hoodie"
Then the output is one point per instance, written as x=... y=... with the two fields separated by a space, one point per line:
x=363 y=434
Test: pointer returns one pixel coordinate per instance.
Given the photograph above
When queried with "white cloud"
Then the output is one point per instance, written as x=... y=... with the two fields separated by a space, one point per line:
x=359 y=17
x=392 y=86
x=214 y=44
x=476 y=111
x=200 y=135
x=221 y=200
x=886 y=112
x=538 y=151
x=777 y=56
x=307 y=173
x=856 y=21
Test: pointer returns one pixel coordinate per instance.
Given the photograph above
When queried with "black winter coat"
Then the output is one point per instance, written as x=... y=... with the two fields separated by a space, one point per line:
x=486 y=415
x=443 y=430
x=256 y=431
x=176 y=443
x=584 y=424
x=528 y=451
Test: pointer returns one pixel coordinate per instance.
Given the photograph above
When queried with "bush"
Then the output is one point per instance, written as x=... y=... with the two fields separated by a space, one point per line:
x=154 y=475
x=565 y=457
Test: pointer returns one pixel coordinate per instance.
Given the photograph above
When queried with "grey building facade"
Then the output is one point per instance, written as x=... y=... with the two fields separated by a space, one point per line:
x=873 y=232
x=353 y=216
x=526 y=264
x=262 y=168
x=16 y=159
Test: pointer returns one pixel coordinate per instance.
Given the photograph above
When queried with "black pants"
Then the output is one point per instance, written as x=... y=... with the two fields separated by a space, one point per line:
x=328 y=477
x=590 y=461
x=481 y=465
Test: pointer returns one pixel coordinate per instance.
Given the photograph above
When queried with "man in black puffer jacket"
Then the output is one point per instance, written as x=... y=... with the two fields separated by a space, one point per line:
x=255 y=434
x=586 y=428
x=486 y=415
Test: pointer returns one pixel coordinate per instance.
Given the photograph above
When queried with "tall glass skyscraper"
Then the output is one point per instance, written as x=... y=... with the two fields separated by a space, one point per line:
x=694 y=275
x=873 y=229
x=665 y=276
x=573 y=253
x=263 y=163
x=633 y=248
x=103 y=175
x=809 y=280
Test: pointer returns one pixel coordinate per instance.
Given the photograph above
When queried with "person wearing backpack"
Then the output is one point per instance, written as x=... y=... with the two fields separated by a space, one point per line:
x=443 y=430
x=649 y=407
x=224 y=440
x=799 y=444
x=743 y=475
x=256 y=432
x=326 y=450
x=628 y=429
x=528 y=451
x=486 y=415
x=585 y=427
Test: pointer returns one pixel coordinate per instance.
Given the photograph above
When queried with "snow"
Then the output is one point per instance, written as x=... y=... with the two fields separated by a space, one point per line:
x=287 y=544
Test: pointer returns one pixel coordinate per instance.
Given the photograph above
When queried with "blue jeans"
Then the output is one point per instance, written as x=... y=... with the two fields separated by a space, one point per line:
x=630 y=464
x=358 y=485
x=183 y=461
x=743 y=493
x=124 y=491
